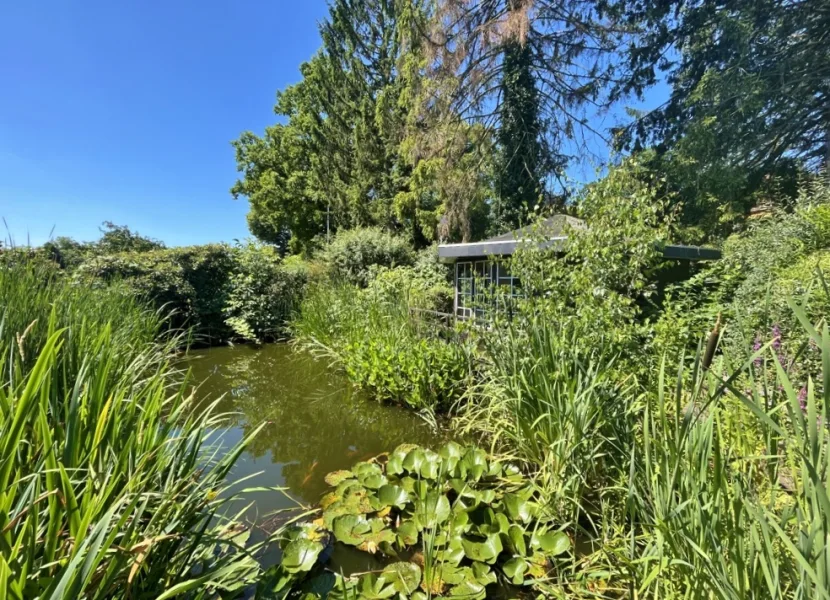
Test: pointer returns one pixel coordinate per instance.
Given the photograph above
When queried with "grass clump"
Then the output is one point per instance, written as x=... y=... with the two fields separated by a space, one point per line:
x=105 y=490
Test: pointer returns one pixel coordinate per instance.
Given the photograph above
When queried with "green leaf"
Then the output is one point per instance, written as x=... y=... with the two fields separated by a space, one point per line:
x=485 y=550
x=414 y=460
x=517 y=507
x=392 y=495
x=405 y=577
x=516 y=535
x=407 y=533
x=432 y=510
x=337 y=477
x=471 y=590
x=552 y=543
x=515 y=569
x=483 y=574
x=301 y=555
x=473 y=464
x=351 y=529
x=430 y=465
x=373 y=587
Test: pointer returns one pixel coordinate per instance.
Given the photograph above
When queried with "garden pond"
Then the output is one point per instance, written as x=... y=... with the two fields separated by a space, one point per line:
x=314 y=423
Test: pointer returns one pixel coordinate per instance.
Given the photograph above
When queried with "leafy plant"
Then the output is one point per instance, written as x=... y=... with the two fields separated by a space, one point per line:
x=466 y=520
x=383 y=348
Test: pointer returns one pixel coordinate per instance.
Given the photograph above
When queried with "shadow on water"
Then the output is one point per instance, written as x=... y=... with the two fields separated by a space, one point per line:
x=314 y=422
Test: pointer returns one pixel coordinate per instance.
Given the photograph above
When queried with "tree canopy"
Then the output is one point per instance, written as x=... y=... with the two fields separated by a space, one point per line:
x=448 y=119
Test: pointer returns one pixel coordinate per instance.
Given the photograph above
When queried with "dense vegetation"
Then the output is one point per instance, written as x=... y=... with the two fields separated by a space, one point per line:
x=642 y=430
x=105 y=487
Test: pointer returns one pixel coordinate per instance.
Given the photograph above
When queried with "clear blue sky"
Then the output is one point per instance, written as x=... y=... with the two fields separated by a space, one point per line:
x=124 y=110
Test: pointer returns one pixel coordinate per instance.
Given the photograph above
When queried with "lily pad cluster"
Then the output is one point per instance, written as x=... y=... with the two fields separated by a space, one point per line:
x=455 y=520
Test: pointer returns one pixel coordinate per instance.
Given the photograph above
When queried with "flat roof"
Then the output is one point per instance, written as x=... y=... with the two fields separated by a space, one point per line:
x=495 y=247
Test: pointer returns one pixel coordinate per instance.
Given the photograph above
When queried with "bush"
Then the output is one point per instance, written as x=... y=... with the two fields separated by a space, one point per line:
x=221 y=292
x=262 y=292
x=748 y=288
x=191 y=282
x=353 y=253
x=426 y=284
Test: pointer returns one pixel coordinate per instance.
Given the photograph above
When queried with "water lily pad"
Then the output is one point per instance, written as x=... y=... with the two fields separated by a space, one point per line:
x=474 y=464
x=407 y=533
x=459 y=486
x=320 y=585
x=393 y=495
x=394 y=465
x=552 y=543
x=373 y=587
x=414 y=460
x=471 y=590
x=483 y=574
x=301 y=555
x=376 y=540
x=407 y=483
x=369 y=475
x=336 y=477
x=483 y=549
x=515 y=569
x=431 y=465
x=351 y=529
x=405 y=577
x=451 y=450
x=329 y=499
x=432 y=510
x=453 y=554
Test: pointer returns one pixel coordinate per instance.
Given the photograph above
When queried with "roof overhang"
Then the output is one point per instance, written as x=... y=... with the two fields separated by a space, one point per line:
x=450 y=253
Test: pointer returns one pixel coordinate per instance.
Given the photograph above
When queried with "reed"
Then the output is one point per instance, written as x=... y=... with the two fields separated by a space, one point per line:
x=105 y=487
x=714 y=515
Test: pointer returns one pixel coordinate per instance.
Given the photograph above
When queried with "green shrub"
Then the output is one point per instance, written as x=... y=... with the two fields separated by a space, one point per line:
x=353 y=253
x=383 y=349
x=262 y=292
x=191 y=282
x=776 y=256
x=426 y=284
x=104 y=487
x=605 y=278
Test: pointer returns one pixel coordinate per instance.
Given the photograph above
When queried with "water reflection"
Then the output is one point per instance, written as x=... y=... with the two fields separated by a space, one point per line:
x=314 y=422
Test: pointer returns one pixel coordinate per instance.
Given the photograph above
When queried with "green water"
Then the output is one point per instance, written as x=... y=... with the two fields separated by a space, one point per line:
x=314 y=423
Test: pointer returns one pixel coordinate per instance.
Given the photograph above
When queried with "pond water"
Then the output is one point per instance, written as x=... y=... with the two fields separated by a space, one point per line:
x=314 y=424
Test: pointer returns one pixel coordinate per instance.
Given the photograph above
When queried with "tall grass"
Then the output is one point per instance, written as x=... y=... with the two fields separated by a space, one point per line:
x=560 y=410
x=105 y=490
x=714 y=516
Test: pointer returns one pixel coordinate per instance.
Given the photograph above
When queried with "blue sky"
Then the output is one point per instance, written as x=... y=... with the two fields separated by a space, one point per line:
x=125 y=110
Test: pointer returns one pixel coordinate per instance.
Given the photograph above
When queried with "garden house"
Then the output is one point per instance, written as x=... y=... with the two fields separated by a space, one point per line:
x=479 y=267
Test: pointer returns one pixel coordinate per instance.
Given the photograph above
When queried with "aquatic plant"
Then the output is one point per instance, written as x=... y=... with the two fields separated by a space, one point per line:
x=456 y=520
x=383 y=348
